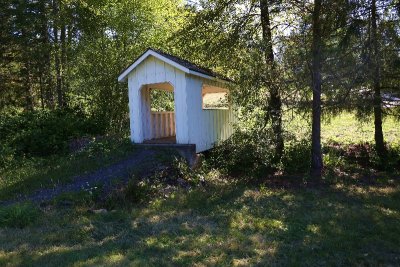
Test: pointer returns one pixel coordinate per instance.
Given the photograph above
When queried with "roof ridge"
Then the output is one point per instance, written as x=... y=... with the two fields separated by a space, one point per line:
x=183 y=59
x=184 y=63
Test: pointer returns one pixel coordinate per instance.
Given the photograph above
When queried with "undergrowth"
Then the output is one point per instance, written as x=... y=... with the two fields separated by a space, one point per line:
x=18 y=215
x=240 y=156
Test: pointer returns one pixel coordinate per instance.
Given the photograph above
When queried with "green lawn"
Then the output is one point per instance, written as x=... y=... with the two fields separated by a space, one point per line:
x=347 y=220
x=226 y=225
x=345 y=129
x=31 y=174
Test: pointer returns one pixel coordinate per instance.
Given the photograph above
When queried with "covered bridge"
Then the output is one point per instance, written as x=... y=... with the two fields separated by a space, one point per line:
x=195 y=118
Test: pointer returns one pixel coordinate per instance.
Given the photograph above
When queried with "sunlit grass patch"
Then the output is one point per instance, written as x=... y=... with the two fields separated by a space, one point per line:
x=227 y=222
x=345 y=129
x=241 y=225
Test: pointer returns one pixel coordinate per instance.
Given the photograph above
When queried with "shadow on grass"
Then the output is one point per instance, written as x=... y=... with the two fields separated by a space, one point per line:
x=30 y=174
x=228 y=225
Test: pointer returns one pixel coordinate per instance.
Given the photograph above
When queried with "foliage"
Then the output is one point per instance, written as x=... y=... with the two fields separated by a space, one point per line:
x=162 y=100
x=361 y=157
x=44 y=132
x=62 y=53
x=18 y=215
x=243 y=154
x=174 y=176
x=26 y=175
x=293 y=160
x=247 y=154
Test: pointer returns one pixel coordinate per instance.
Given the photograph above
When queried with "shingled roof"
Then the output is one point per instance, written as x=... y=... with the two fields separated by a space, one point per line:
x=192 y=67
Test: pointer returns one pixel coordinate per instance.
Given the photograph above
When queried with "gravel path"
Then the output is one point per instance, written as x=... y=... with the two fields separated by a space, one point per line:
x=143 y=162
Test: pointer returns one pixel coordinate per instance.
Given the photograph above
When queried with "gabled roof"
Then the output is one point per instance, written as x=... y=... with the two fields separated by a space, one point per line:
x=177 y=62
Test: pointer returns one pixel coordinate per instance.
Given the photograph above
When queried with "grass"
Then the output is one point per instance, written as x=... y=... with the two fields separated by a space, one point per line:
x=346 y=220
x=225 y=224
x=345 y=129
x=34 y=173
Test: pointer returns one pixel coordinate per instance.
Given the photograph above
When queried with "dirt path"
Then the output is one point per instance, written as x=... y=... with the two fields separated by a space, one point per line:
x=142 y=163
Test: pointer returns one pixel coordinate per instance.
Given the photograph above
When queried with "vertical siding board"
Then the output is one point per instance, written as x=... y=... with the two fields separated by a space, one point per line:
x=155 y=116
x=153 y=126
x=189 y=122
x=226 y=127
x=211 y=127
x=167 y=124
x=225 y=124
x=159 y=71
x=215 y=113
x=220 y=115
x=173 y=125
x=217 y=124
x=159 y=125
x=182 y=122
x=171 y=129
x=221 y=125
x=164 y=124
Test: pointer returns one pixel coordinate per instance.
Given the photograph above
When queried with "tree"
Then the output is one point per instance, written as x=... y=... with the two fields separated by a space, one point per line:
x=68 y=53
x=316 y=153
x=375 y=72
x=376 y=27
x=275 y=102
x=237 y=38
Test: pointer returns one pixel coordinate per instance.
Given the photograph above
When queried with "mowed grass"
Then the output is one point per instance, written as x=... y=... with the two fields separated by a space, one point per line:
x=224 y=224
x=345 y=129
x=30 y=174
x=347 y=221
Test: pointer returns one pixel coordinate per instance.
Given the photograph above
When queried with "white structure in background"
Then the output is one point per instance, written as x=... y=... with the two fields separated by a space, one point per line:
x=192 y=122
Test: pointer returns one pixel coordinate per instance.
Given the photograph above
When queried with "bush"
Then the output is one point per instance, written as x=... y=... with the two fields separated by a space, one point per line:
x=360 y=155
x=296 y=157
x=43 y=132
x=18 y=215
x=253 y=156
x=243 y=154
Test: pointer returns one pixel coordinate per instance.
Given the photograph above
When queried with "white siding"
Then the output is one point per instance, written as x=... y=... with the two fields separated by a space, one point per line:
x=193 y=125
x=206 y=126
x=153 y=71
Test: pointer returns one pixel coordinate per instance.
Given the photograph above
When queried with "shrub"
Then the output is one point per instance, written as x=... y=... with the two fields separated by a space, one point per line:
x=361 y=155
x=243 y=154
x=18 y=215
x=7 y=155
x=43 y=132
x=296 y=157
x=253 y=156
x=137 y=191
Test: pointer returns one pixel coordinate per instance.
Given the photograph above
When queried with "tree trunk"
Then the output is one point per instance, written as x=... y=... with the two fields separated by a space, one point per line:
x=316 y=153
x=63 y=61
x=46 y=90
x=28 y=89
x=275 y=102
x=57 y=60
x=375 y=72
x=26 y=71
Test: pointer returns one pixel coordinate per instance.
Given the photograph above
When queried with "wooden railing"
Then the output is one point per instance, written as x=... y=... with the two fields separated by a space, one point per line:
x=162 y=124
